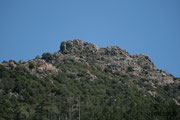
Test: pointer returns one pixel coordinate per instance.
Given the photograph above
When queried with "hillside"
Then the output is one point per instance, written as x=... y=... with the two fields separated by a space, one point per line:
x=82 y=81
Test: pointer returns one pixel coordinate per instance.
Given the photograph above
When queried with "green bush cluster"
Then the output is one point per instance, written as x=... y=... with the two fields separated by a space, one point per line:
x=111 y=97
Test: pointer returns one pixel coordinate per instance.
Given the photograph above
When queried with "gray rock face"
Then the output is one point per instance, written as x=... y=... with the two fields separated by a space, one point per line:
x=144 y=61
x=116 y=60
x=77 y=46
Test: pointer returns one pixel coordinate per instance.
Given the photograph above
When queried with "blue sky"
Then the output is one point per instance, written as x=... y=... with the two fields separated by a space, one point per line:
x=31 y=27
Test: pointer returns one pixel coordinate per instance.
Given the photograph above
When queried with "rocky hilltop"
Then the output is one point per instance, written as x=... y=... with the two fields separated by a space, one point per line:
x=111 y=58
x=115 y=59
x=81 y=61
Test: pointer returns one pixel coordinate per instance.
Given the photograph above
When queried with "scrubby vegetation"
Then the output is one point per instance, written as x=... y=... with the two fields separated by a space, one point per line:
x=72 y=95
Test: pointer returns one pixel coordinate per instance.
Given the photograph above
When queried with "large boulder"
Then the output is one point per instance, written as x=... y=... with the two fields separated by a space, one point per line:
x=77 y=46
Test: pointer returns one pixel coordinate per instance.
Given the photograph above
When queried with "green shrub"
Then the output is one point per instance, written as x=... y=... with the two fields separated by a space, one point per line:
x=47 y=57
x=31 y=65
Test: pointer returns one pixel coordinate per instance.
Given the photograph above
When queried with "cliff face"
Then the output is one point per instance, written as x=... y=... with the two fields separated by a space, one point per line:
x=85 y=62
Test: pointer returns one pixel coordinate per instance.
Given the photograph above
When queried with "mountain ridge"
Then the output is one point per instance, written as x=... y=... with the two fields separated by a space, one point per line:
x=101 y=78
x=112 y=57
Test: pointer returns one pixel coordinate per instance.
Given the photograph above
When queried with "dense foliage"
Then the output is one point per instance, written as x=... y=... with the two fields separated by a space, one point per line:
x=71 y=95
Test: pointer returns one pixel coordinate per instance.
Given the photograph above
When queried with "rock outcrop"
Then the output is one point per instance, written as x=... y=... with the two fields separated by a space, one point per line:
x=77 y=46
x=111 y=58
x=114 y=59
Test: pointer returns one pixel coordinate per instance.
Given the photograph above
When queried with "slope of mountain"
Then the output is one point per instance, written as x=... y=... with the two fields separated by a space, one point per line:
x=82 y=81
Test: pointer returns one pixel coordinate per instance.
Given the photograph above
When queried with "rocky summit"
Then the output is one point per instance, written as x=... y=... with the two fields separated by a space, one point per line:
x=82 y=81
